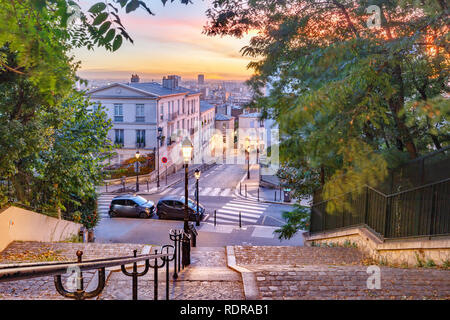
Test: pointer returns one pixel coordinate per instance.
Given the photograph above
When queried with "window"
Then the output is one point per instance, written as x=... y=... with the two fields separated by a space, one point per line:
x=261 y=123
x=118 y=137
x=140 y=138
x=140 y=116
x=161 y=114
x=118 y=112
x=178 y=106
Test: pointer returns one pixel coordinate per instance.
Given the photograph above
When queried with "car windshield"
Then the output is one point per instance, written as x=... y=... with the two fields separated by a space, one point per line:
x=139 y=200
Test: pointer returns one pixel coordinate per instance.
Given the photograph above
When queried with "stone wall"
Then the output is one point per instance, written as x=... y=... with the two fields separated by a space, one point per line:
x=17 y=224
x=404 y=252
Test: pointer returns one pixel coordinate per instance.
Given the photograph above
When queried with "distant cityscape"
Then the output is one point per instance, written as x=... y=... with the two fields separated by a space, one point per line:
x=233 y=93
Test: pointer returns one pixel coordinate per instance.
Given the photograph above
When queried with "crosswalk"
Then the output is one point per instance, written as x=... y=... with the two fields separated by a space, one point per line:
x=103 y=202
x=203 y=191
x=229 y=213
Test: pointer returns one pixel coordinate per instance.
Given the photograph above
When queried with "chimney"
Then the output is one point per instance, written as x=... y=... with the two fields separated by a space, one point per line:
x=134 y=78
x=171 y=82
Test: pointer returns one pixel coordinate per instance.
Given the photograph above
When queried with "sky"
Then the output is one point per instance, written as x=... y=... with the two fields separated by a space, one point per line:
x=170 y=42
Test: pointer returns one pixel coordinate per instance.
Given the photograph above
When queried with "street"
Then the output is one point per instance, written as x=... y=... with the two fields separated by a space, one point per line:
x=218 y=193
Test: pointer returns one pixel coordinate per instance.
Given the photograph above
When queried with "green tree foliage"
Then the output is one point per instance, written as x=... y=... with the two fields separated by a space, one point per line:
x=351 y=101
x=52 y=144
x=297 y=219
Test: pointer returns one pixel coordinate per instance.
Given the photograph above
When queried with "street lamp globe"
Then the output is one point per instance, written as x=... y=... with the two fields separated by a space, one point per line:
x=186 y=148
x=197 y=174
x=137 y=155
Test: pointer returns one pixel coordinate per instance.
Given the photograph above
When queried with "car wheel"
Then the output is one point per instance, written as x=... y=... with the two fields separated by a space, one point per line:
x=143 y=215
x=112 y=214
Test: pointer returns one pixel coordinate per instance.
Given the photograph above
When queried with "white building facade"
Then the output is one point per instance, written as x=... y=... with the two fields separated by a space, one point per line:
x=138 y=109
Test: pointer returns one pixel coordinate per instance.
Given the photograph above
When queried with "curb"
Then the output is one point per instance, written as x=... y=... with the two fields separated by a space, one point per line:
x=251 y=291
x=255 y=199
x=161 y=189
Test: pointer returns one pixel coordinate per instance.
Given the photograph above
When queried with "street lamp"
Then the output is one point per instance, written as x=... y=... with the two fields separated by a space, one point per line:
x=186 y=148
x=247 y=152
x=158 y=138
x=137 y=155
x=197 y=177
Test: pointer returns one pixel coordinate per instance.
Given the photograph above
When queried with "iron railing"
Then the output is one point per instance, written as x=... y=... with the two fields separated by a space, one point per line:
x=419 y=211
x=155 y=261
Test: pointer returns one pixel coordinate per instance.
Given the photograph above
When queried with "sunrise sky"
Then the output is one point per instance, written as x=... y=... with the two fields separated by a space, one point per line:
x=170 y=42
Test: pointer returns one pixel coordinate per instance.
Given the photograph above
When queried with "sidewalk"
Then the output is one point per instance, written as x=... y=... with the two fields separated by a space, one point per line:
x=146 y=187
x=250 y=189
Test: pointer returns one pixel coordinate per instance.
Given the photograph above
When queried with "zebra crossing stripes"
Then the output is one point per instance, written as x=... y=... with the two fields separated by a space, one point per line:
x=250 y=212
x=103 y=203
x=205 y=191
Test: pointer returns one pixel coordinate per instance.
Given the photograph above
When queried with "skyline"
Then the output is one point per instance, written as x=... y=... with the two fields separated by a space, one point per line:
x=170 y=42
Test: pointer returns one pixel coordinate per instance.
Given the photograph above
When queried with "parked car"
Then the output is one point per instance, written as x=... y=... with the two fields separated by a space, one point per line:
x=172 y=207
x=131 y=206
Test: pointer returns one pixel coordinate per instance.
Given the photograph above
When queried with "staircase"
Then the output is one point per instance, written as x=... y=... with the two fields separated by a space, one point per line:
x=206 y=278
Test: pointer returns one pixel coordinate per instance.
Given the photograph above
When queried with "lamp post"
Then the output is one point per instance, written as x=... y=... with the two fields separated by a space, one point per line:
x=197 y=177
x=247 y=152
x=158 y=138
x=186 y=148
x=137 y=155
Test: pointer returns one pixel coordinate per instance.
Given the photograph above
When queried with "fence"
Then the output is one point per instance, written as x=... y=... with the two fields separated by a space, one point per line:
x=422 y=210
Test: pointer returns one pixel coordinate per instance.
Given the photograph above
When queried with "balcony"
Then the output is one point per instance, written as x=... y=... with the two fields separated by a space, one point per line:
x=140 y=144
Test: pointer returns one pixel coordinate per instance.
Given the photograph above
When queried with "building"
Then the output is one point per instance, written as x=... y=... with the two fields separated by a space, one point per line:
x=225 y=124
x=201 y=79
x=207 y=118
x=138 y=109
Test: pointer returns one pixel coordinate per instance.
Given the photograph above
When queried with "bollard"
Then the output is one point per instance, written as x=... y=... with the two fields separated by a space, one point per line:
x=275 y=195
x=107 y=187
x=258 y=194
x=147 y=186
x=215 y=217
x=280 y=194
x=246 y=191
x=240 y=222
x=240 y=188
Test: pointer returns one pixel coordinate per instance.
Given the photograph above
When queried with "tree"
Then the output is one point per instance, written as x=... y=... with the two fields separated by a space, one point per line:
x=52 y=145
x=350 y=101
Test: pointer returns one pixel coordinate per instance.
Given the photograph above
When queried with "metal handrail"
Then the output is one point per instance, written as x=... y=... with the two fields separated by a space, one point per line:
x=41 y=270
x=14 y=272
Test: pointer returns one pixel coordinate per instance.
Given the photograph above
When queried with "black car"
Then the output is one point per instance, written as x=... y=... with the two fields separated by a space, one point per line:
x=131 y=206
x=172 y=207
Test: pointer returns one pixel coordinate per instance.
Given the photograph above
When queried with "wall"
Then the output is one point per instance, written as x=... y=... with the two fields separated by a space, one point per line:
x=402 y=252
x=17 y=224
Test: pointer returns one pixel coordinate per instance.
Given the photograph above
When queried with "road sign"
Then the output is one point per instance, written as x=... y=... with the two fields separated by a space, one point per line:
x=164 y=160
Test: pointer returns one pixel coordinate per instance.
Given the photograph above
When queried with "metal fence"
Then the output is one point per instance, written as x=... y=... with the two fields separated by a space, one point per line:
x=423 y=209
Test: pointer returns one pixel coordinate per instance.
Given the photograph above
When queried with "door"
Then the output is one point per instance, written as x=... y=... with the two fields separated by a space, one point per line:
x=118 y=207
x=129 y=209
x=179 y=210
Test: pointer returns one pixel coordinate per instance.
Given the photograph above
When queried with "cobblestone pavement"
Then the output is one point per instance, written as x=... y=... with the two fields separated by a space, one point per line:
x=207 y=278
x=43 y=287
x=335 y=273
x=279 y=255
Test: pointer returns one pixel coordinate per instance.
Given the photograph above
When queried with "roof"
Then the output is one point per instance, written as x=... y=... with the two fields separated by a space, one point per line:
x=223 y=117
x=251 y=115
x=148 y=88
x=205 y=106
x=125 y=196
x=158 y=89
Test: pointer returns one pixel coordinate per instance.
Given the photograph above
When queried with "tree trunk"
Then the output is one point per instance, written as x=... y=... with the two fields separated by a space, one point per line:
x=396 y=103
